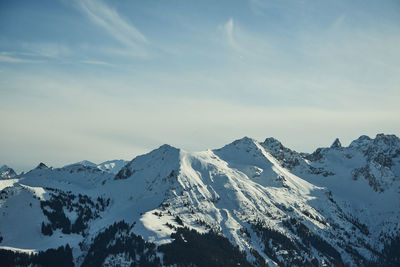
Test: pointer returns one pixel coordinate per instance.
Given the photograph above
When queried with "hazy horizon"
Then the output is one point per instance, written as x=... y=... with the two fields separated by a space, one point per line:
x=96 y=80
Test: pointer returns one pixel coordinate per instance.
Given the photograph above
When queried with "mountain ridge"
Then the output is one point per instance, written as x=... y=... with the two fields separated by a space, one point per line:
x=337 y=205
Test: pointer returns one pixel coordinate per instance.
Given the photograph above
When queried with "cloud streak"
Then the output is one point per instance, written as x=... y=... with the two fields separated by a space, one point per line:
x=229 y=32
x=96 y=62
x=47 y=50
x=7 y=58
x=115 y=25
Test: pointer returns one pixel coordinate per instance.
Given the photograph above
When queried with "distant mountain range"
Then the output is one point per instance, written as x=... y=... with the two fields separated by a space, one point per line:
x=248 y=203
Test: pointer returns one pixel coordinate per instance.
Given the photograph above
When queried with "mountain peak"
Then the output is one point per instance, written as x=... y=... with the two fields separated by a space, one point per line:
x=163 y=159
x=87 y=163
x=7 y=172
x=165 y=147
x=381 y=140
x=272 y=140
x=361 y=141
x=272 y=144
x=243 y=140
x=41 y=166
x=386 y=139
x=336 y=144
x=287 y=158
x=245 y=144
x=4 y=167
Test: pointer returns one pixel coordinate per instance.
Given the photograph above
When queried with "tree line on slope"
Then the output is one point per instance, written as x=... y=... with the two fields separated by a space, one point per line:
x=84 y=206
x=116 y=240
x=61 y=257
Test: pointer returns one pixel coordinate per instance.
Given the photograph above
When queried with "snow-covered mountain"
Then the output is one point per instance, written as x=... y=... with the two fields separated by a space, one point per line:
x=249 y=203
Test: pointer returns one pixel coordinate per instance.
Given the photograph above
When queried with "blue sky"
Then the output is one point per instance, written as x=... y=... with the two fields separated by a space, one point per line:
x=100 y=80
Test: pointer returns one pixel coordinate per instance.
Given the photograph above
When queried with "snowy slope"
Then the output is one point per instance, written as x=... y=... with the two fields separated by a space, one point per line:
x=338 y=205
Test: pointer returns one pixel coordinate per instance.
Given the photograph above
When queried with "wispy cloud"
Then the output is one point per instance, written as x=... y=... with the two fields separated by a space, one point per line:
x=115 y=25
x=35 y=53
x=229 y=32
x=96 y=62
x=48 y=50
x=8 y=58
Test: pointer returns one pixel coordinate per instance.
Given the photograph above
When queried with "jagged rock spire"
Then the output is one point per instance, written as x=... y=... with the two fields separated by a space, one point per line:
x=336 y=144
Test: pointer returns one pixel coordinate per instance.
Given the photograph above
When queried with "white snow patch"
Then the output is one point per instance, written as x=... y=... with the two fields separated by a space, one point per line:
x=37 y=191
x=7 y=183
x=21 y=250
